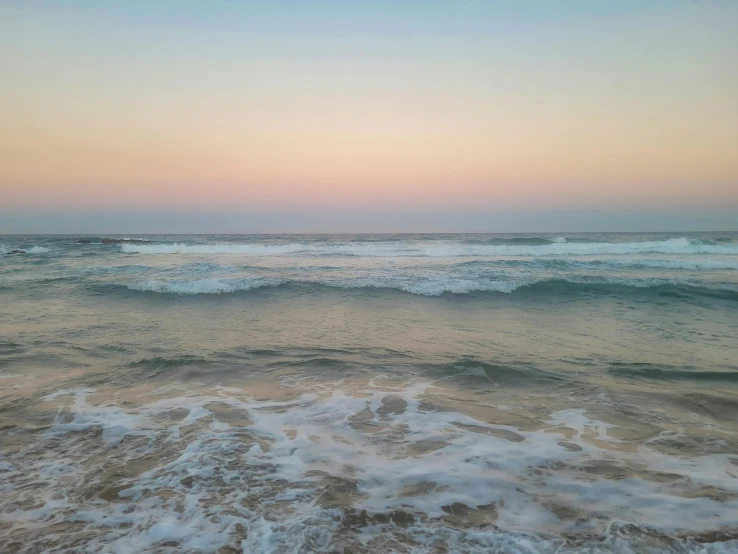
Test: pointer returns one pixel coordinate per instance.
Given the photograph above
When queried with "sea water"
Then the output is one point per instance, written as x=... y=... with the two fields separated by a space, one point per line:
x=369 y=393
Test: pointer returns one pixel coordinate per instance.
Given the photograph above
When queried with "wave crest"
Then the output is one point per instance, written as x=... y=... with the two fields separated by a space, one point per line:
x=199 y=286
x=31 y=250
x=440 y=249
x=438 y=287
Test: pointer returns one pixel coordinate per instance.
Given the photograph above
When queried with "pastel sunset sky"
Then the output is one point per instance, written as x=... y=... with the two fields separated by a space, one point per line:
x=379 y=115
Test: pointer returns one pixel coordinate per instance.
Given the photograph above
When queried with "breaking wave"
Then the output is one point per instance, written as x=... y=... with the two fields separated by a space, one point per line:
x=441 y=248
x=443 y=481
x=524 y=241
x=438 y=287
x=200 y=286
x=31 y=250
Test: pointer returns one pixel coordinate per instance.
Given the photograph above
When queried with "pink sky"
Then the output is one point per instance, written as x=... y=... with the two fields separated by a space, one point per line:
x=124 y=110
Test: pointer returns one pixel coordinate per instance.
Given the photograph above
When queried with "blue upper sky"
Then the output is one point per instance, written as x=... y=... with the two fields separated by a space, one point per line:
x=370 y=116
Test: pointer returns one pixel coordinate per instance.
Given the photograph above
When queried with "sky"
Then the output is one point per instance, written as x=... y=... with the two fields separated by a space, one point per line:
x=290 y=116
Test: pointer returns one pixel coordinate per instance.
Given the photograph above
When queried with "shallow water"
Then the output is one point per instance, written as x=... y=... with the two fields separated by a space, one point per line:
x=370 y=393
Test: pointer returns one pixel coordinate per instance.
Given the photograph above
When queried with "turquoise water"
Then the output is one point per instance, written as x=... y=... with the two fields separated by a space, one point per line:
x=369 y=393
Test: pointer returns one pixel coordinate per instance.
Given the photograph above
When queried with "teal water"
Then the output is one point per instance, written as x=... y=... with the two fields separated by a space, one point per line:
x=369 y=393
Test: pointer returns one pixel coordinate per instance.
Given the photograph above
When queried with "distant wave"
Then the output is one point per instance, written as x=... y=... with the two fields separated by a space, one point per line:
x=524 y=241
x=691 y=264
x=439 y=287
x=31 y=250
x=700 y=265
x=195 y=269
x=660 y=372
x=181 y=248
x=440 y=249
x=111 y=269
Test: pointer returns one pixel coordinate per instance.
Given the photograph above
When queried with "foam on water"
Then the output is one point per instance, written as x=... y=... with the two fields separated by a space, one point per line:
x=336 y=467
x=427 y=285
x=200 y=286
x=423 y=286
x=439 y=248
x=32 y=250
x=572 y=394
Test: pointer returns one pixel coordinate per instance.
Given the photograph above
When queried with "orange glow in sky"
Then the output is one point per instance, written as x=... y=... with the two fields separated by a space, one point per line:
x=256 y=106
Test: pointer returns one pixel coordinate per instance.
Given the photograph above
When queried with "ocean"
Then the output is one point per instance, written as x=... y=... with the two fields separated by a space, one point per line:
x=527 y=393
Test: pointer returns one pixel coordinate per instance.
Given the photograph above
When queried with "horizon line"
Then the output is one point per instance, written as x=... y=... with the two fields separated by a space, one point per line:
x=86 y=235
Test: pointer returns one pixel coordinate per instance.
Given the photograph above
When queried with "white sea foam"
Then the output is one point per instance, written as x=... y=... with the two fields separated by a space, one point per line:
x=32 y=250
x=419 y=285
x=217 y=479
x=200 y=286
x=431 y=286
x=438 y=249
